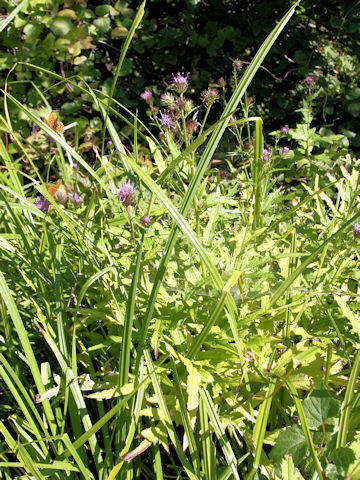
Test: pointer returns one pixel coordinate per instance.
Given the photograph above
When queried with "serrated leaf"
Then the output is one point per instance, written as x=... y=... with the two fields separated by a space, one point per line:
x=343 y=458
x=289 y=471
x=348 y=313
x=291 y=441
x=157 y=433
x=319 y=406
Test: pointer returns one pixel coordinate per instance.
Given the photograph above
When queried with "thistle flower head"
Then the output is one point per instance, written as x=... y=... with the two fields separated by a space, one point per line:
x=222 y=82
x=266 y=154
x=75 y=197
x=209 y=96
x=165 y=120
x=167 y=99
x=285 y=129
x=147 y=96
x=42 y=204
x=309 y=80
x=192 y=126
x=180 y=82
x=284 y=150
x=146 y=219
x=356 y=229
x=188 y=106
x=126 y=192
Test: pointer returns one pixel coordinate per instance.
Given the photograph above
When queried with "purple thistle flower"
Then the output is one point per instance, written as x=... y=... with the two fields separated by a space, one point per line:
x=166 y=120
x=75 y=165
x=266 y=154
x=146 y=219
x=180 y=82
x=75 y=197
x=42 y=204
x=285 y=129
x=209 y=96
x=284 y=150
x=237 y=64
x=126 y=192
x=309 y=80
x=110 y=142
x=147 y=96
x=356 y=229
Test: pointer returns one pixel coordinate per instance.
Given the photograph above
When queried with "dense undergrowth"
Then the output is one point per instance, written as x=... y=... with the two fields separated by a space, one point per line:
x=171 y=308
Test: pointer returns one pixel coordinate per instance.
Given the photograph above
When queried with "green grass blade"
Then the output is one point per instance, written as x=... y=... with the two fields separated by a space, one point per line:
x=124 y=363
x=305 y=428
x=26 y=345
x=207 y=445
x=200 y=339
x=257 y=172
x=261 y=423
x=60 y=140
x=193 y=449
x=124 y=50
x=135 y=413
x=24 y=401
x=166 y=418
x=78 y=398
x=86 y=473
x=21 y=453
x=220 y=432
x=347 y=403
x=6 y=21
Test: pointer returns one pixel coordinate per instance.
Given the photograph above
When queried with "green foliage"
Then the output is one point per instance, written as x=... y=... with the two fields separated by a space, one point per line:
x=320 y=409
x=86 y=38
x=204 y=325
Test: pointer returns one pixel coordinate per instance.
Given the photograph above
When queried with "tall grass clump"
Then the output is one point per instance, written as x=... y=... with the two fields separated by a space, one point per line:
x=171 y=311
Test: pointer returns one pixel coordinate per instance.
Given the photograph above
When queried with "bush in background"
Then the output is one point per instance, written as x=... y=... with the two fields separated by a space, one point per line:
x=205 y=39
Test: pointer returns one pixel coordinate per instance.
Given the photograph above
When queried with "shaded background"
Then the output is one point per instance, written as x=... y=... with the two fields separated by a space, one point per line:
x=203 y=38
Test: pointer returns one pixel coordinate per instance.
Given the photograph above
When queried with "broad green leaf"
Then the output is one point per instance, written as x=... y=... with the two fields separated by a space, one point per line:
x=319 y=406
x=291 y=441
x=343 y=460
x=61 y=26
